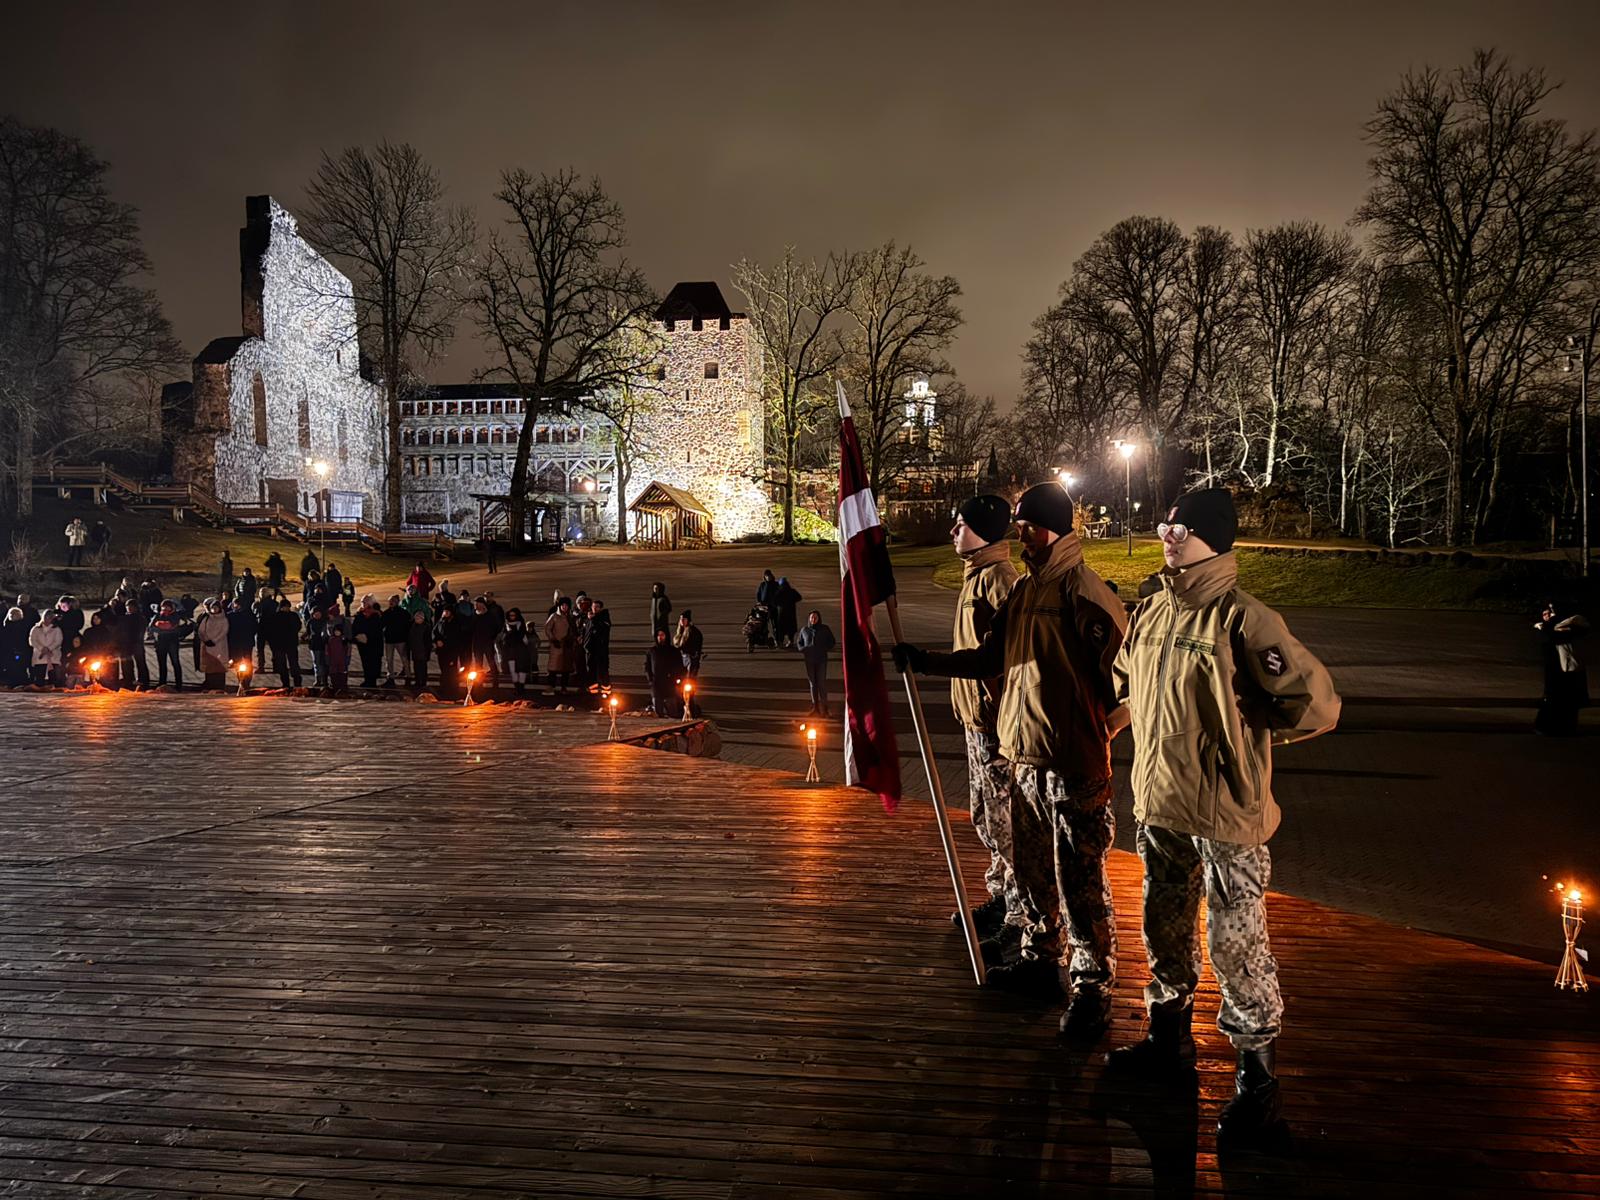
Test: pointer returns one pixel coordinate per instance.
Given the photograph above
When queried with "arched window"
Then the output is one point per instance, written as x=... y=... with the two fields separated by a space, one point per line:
x=452 y=437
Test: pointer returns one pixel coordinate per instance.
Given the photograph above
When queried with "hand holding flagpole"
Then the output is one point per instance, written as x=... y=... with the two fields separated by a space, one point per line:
x=871 y=758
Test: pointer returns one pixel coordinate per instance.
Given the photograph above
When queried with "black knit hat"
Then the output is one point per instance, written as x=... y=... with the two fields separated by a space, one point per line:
x=1048 y=506
x=987 y=516
x=1209 y=514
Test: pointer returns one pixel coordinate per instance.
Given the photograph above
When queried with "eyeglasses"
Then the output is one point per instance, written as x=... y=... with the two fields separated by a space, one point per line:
x=1173 y=533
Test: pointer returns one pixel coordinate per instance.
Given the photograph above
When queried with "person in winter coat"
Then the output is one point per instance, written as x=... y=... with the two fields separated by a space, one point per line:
x=690 y=643
x=485 y=634
x=415 y=602
x=979 y=540
x=169 y=627
x=97 y=644
x=45 y=639
x=225 y=577
x=314 y=594
x=211 y=632
x=99 y=537
x=396 y=643
x=150 y=598
x=421 y=580
x=14 y=651
x=1209 y=679
x=340 y=639
x=309 y=565
x=1054 y=641
x=277 y=571
x=316 y=637
x=559 y=637
x=245 y=590
x=334 y=582
x=242 y=631
x=1566 y=682
x=452 y=643
x=266 y=612
x=419 y=647
x=77 y=534
x=597 y=644
x=283 y=639
x=815 y=640
x=660 y=609
x=519 y=650
x=663 y=666
x=767 y=597
x=70 y=620
x=788 y=621
x=366 y=630
x=132 y=669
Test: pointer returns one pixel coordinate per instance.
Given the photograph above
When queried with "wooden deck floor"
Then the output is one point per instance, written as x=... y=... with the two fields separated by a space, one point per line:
x=278 y=948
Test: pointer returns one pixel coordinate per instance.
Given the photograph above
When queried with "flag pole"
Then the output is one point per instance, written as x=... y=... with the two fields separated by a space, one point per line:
x=919 y=720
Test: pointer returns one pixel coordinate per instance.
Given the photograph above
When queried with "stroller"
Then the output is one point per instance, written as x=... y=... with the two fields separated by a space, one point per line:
x=758 y=627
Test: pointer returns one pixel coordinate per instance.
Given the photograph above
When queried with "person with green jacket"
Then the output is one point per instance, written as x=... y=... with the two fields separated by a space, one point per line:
x=1053 y=641
x=1211 y=679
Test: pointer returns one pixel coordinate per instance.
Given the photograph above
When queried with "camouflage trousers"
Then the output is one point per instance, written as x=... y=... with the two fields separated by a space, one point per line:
x=1176 y=867
x=1060 y=834
x=989 y=799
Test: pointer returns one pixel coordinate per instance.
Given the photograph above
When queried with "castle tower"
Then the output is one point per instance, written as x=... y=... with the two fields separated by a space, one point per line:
x=705 y=434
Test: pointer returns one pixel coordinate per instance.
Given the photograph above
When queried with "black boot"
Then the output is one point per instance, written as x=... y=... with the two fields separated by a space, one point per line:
x=1087 y=1016
x=1168 y=1049
x=988 y=916
x=1003 y=948
x=1256 y=1111
x=1036 y=977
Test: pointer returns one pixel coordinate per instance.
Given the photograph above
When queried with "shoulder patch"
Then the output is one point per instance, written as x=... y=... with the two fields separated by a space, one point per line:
x=1272 y=661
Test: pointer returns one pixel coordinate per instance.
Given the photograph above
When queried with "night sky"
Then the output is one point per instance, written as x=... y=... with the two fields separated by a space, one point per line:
x=998 y=139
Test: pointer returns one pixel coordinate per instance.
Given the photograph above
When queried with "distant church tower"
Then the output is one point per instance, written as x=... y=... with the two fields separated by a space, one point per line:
x=705 y=434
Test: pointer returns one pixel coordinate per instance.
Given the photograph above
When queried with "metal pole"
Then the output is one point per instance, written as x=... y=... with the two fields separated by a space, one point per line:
x=1127 y=498
x=936 y=788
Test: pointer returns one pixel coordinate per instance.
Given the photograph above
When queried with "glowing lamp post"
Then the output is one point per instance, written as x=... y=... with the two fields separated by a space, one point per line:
x=811 y=751
x=1067 y=480
x=242 y=669
x=1127 y=449
x=322 y=469
x=688 y=699
x=613 y=735
x=1570 y=973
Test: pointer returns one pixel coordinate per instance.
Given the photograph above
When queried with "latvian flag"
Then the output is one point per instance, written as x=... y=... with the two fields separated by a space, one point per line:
x=870 y=757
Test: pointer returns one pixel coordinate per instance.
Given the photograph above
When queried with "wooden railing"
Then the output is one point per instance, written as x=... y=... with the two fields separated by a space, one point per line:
x=273 y=517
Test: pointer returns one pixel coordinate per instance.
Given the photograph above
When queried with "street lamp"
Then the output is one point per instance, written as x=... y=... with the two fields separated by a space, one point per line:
x=322 y=469
x=1126 y=449
x=1067 y=480
x=1582 y=347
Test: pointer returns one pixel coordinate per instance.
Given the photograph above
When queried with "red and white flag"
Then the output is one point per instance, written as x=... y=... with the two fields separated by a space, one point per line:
x=870 y=757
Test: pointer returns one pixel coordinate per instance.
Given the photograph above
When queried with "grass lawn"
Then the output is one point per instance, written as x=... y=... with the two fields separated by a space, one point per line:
x=1310 y=580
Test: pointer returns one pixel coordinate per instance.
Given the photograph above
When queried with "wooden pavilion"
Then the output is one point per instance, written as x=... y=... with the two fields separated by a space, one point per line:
x=669 y=518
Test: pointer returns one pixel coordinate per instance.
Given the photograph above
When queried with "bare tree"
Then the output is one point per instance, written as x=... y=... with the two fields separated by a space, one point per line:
x=381 y=214
x=793 y=305
x=76 y=327
x=1493 y=204
x=904 y=319
x=1075 y=396
x=626 y=406
x=1294 y=275
x=551 y=296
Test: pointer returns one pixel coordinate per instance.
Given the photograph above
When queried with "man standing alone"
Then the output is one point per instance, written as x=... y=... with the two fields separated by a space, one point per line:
x=1211 y=678
x=77 y=538
x=1054 y=640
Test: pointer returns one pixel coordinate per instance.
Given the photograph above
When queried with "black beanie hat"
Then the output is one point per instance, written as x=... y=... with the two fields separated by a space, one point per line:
x=1048 y=506
x=987 y=516
x=1210 y=515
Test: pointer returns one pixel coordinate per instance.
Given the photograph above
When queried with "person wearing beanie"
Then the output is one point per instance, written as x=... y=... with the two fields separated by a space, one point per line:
x=979 y=540
x=1209 y=678
x=1053 y=642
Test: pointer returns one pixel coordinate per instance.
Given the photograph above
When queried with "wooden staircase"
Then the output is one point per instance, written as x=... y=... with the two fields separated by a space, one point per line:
x=188 y=501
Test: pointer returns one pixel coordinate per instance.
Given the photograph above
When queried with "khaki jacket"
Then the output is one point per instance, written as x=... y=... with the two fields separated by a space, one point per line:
x=1212 y=677
x=987 y=581
x=1054 y=639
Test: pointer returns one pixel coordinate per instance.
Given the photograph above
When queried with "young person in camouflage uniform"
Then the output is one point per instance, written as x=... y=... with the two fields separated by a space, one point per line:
x=1054 y=641
x=979 y=538
x=1211 y=678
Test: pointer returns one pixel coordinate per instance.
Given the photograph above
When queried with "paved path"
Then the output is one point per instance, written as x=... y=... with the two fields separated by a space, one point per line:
x=480 y=957
x=1434 y=805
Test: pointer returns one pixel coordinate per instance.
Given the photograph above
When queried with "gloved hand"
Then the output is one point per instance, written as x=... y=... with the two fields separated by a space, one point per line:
x=910 y=658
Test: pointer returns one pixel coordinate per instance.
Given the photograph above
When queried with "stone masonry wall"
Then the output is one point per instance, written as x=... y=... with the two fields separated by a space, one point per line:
x=706 y=435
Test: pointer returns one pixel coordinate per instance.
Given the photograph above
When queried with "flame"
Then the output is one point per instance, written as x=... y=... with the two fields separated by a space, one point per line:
x=811 y=735
x=472 y=674
x=95 y=665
